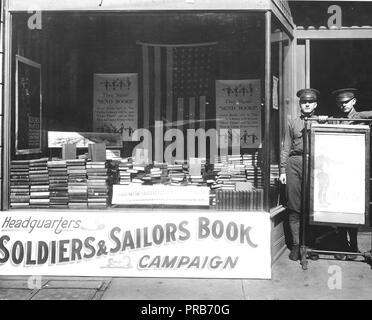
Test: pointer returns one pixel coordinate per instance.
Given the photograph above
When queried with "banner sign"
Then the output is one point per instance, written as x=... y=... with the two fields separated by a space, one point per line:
x=141 y=243
x=238 y=106
x=115 y=103
x=135 y=194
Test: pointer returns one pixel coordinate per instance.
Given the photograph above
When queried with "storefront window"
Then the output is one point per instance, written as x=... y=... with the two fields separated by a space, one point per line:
x=141 y=109
x=280 y=89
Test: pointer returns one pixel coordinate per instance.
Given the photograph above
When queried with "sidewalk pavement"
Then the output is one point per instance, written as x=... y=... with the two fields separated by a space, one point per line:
x=325 y=279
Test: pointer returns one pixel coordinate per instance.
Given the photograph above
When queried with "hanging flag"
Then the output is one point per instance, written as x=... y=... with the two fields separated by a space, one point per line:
x=176 y=83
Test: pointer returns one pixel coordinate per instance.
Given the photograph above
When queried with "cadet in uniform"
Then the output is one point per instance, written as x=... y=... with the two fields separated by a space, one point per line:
x=346 y=100
x=291 y=165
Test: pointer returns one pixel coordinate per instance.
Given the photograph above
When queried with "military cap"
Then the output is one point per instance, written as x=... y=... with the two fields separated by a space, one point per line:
x=308 y=94
x=345 y=94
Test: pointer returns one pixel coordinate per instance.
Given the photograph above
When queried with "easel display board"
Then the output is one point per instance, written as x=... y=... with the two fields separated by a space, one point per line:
x=339 y=175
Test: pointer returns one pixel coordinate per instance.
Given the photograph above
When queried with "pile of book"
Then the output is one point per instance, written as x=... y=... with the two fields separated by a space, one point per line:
x=154 y=176
x=197 y=180
x=159 y=168
x=253 y=169
x=239 y=200
x=223 y=180
x=274 y=174
x=254 y=175
x=234 y=159
x=39 y=183
x=139 y=172
x=19 y=184
x=123 y=174
x=58 y=184
x=77 y=183
x=176 y=174
x=97 y=184
x=250 y=159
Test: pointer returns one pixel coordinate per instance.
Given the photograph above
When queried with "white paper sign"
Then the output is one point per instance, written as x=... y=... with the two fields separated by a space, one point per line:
x=56 y=139
x=142 y=243
x=339 y=190
x=158 y=194
x=115 y=101
x=238 y=106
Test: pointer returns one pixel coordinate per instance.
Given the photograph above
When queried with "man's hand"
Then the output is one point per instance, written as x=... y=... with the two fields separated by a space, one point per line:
x=283 y=178
x=322 y=119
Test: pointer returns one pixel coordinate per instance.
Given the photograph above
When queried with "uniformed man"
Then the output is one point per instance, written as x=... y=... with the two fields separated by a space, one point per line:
x=346 y=100
x=291 y=165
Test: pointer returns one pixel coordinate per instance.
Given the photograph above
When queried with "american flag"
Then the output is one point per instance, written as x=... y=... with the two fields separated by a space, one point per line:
x=176 y=82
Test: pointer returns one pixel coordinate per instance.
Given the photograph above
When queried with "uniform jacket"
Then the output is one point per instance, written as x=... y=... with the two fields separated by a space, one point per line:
x=353 y=114
x=293 y=141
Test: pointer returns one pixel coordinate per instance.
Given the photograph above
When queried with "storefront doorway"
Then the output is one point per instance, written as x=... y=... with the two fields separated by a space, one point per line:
x=338 y=64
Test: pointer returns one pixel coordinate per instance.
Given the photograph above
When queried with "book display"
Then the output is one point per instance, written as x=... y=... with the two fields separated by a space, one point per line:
x=239 y=200
x=58 y=184
x=77 y=184
x=97 y=184
x=240 y=175
x=39 y=183
x=234 y=182
x=162 y=134
x=19 y=184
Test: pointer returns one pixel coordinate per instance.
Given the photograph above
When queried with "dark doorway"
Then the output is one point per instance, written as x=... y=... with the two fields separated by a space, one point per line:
x=338 y=64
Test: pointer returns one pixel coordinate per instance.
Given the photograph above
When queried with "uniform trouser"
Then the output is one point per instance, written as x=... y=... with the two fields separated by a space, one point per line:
x=293 y=194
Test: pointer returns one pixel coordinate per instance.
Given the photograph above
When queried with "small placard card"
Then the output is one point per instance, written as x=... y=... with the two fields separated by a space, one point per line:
x=135 y=194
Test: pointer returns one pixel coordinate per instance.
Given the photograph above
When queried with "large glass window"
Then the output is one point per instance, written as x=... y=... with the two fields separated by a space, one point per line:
x=148 y=109
x=281 y=89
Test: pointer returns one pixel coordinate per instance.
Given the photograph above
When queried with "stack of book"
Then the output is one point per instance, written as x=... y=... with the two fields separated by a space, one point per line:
x=58 y=184
x=218 y=167
x=19 y=184
x=234 y=159
x=239 y=200
x=39 y=183
x=137 y=173
x=274 y=174
x=154 y=176
x=97 y=184
x=253 y=169
x=77 y=184
x=154 y=173
x=197 y=180
x=223 y=180
x=176 y=174
x=249 y=159
x=125 y=176
x=238 y=173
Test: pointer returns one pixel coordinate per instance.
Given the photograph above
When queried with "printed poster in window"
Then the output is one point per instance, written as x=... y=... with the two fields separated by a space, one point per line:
x=238 y=106
x=115 y=107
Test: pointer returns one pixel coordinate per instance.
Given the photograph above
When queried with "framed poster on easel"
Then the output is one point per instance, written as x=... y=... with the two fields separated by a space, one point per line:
x=339 y=175
x=28 y=106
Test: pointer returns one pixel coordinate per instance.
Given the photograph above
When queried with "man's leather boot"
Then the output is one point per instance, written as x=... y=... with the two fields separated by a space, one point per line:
x=295 y=253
